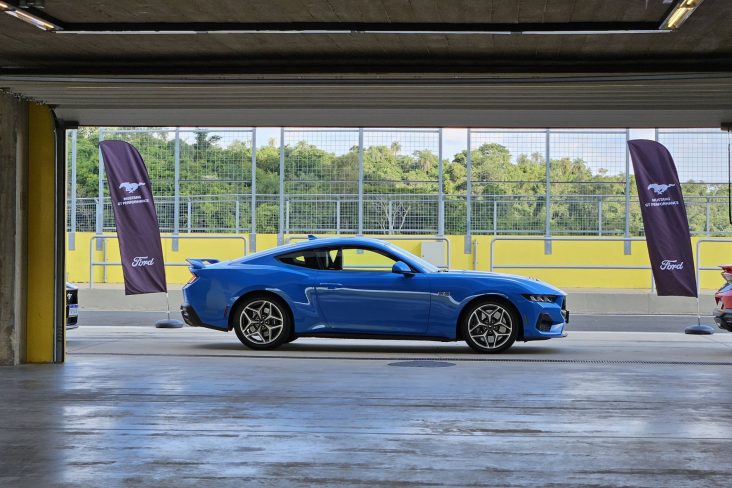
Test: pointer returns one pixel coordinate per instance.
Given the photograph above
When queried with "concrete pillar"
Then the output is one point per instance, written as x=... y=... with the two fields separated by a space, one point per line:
x=13 y=184
x=41 y=250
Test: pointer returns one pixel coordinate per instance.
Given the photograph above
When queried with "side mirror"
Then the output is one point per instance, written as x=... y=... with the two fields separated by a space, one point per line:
x=400 y=267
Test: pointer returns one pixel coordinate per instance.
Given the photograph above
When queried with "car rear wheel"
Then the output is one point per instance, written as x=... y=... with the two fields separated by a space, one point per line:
x=263 y=322
x=490 y=326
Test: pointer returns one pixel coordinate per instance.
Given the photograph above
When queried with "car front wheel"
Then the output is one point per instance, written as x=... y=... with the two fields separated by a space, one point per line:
x=490 y=326
x=263 y=322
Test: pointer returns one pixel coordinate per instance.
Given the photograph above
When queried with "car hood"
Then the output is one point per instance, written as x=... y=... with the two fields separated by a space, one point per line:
x=533 y=285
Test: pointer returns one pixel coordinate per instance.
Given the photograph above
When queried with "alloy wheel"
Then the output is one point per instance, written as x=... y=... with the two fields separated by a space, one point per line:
x=261 y=322
x=490 y=326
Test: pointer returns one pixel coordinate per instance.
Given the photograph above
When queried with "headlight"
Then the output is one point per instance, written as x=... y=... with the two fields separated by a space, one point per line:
x=541 y=298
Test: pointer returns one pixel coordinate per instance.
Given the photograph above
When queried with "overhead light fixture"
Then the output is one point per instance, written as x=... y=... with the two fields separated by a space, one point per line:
x=27 y=17
x=32 y=20
x=680 y=13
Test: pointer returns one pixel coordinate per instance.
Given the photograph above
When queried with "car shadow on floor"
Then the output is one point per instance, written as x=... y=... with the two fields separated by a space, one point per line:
x=390 y=347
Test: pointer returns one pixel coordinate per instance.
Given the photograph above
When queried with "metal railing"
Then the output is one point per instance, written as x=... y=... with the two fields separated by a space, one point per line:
x=448 y=251
x=699 y=267
x=493 y=266
x=104 y=263
x=336 y=213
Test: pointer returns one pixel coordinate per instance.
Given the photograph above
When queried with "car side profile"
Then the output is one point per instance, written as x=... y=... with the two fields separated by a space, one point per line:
x=367 y=288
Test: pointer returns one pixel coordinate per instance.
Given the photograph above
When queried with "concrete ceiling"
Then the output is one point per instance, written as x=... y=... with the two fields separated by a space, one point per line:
x=706 y=36
x=682 y=78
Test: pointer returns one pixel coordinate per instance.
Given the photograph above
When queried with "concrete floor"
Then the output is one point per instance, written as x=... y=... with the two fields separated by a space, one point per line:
x=190 y=407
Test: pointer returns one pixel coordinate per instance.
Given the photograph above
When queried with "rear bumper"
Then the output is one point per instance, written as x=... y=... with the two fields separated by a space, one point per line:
x=723 y=318
x=190 y=317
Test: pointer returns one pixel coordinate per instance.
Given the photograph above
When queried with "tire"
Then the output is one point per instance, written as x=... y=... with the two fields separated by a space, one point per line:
x=490 y=326
x=263 y=322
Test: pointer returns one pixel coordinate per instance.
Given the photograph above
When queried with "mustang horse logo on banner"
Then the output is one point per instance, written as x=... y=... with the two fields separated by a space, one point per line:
x=130 y=187
x=659 y=189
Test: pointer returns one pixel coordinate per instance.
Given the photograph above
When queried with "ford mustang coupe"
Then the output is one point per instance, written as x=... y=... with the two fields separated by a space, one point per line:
x=357 y=287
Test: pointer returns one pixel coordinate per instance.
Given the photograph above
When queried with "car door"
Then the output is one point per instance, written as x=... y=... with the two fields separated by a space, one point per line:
x=359 y=293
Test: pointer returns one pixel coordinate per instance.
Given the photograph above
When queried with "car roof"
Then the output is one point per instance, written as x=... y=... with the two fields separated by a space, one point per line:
x=318 y=242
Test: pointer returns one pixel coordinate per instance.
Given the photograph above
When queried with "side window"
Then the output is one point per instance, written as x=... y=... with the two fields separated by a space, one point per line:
x=309 y=258
x=363 y=259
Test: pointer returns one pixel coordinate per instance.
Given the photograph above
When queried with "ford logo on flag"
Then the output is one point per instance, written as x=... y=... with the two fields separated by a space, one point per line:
x=142 y=261
x=669 y=265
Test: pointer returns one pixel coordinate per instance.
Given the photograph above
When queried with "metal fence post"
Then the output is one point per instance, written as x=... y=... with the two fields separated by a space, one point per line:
x=495 y=216
x=708 y=215
x=189 y=215
x=627 y=243
x=287 y=215
x=99 y=224
x=468 y=199
x=237 y=215
x=176 y=191
x=390 y=215
x=281 y=230
x=360 y=181
x=440 y=189
x=338 y=215
x=599 y=215
x=253 y=188
x=72 y=223
x=547 y=201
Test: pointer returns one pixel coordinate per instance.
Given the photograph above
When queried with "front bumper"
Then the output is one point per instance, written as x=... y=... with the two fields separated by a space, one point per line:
x=723 y=318
x=72 y=307
x=549 y=321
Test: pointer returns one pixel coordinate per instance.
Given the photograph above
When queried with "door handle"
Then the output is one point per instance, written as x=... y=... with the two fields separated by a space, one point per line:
x=331 y=286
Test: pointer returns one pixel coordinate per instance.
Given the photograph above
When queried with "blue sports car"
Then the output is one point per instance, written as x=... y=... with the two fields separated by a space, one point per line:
x=358 y=287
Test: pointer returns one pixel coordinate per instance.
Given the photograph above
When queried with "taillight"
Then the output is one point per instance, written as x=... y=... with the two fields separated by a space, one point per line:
x=727 y=272
x=192 y=279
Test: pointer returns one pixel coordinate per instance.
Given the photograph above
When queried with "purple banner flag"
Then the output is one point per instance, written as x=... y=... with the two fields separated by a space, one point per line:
x=664 y=219
x=137 y=222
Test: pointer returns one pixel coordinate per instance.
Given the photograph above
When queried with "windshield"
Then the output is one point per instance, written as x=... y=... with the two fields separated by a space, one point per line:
x=428 y=267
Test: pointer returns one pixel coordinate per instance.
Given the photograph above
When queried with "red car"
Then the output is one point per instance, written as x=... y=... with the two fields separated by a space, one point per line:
x=723 y=297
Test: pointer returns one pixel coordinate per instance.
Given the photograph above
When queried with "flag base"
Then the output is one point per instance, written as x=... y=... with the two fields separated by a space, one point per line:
x=699 y=329
x=168 y=324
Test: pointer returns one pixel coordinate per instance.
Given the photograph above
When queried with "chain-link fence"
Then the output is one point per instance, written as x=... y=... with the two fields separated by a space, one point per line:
x=397 y=181
x=702 y=161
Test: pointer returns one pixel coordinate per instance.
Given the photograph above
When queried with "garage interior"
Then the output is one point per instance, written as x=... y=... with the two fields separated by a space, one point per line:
x=189 y=407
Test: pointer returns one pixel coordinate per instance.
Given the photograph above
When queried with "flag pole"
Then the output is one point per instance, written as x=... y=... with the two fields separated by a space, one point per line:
x=168 y=323
x=699 y=328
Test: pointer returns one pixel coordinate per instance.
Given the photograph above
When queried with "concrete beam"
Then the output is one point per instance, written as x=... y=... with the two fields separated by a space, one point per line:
x=13 y=161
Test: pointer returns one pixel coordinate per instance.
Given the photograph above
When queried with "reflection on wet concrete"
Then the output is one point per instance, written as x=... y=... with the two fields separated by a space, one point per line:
x=136 y=419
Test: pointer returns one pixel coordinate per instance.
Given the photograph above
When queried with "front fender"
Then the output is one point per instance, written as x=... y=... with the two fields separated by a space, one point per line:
x=451 y=294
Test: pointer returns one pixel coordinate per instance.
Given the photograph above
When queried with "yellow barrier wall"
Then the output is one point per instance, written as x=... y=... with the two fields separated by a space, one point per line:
x=507 y=252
